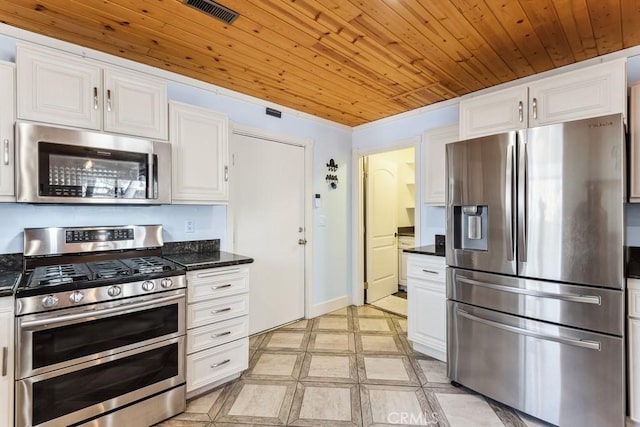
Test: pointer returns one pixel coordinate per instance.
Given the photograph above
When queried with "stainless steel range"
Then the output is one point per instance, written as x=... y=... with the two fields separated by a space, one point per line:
x=100 y=328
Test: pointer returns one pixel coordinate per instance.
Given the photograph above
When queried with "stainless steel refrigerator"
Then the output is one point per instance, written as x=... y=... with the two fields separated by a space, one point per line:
x=535 y=283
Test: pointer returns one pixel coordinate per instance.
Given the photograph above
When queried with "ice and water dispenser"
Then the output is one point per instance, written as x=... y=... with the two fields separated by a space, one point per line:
x=470 y=227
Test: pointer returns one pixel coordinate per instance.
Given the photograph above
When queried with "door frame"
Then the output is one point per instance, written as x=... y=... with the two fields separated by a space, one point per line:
x=357 y=219
x=307 y=144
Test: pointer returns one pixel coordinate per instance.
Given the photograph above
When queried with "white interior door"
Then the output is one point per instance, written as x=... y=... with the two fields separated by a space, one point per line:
x=267 y=203
x=381 y=225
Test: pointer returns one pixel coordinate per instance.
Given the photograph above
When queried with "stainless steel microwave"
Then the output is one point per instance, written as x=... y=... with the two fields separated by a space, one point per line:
x=61 y=165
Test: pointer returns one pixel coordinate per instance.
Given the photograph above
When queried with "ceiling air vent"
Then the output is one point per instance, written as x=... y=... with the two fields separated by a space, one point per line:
x=214 y=9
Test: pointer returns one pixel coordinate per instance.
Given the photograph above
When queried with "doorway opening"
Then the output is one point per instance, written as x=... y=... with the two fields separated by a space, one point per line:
x=388 y=214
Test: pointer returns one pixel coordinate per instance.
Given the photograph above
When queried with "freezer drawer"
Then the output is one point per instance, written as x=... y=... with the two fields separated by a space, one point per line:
x=564 y=376
x=583 y=307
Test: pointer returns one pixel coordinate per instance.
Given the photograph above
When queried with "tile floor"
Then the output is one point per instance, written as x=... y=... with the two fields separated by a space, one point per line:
x=352 y=367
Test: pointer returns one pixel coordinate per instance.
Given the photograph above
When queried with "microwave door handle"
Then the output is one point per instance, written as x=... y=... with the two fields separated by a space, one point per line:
x=151 y=180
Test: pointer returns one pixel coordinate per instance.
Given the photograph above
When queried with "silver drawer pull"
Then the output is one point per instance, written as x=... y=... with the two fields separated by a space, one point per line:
x=222 y=310
x=215 y=365
x=430 y=271
x=228 y=285
x=221 y=334
x=592 y=345
x=585 y=299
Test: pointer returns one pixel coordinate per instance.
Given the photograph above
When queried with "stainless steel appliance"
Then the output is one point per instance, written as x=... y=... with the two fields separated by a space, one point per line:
x=60 y=165
x=100 y=328
x=535 y=284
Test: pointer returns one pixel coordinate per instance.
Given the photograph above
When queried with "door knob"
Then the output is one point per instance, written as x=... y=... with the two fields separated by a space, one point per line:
x=302 y=241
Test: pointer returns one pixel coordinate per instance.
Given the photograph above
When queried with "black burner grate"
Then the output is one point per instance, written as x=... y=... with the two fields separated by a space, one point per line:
x=57 y=274
x=108 y=269
x=151 y=264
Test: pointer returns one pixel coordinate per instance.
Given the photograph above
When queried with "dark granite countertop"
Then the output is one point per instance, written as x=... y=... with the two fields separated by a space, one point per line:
x=8 y=282
x=424 y=250
x=633 y=262
x=201 y=260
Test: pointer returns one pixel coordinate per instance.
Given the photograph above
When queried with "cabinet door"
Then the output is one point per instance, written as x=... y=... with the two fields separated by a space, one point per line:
x=634 y=152
x=493 y=113
x=6 y=361
x=7 y=117
x=634 y=369
x=57 y=88
x=435 y=142
x=199 y=143
x=134 y=104
x=426 y=316
x=590 y=92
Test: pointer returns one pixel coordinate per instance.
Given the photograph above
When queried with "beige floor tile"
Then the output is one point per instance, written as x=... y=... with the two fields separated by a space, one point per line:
x=400 y=324
x=380 y=344
x=368 y=324
x=340 y=312
x=431 y=371
x=386 y=405
x=329 y=367
x=392 y=370
x=464 y=410
x=332 y=323
x=256 y=340
x=304 y=324
x=328 y=342
x=392 y=304
x=289 y=340
x=367 y=310
x=326 y=404
x=174 y=422
x=530 y=421
x=257 y=402
x=275 y=365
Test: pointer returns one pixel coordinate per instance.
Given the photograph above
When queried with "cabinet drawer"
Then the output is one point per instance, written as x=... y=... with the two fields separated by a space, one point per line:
x=406 y=242
x=426 y=267
x=213 y=283
x=207 y=312
x=218 y=333
x=209 y=366
x=633 y=291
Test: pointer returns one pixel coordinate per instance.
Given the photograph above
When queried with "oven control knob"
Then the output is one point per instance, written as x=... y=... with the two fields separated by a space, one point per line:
x=166 y=283
x=76 y=297
x=114 y=291
x=148 y=285
x=49 y=301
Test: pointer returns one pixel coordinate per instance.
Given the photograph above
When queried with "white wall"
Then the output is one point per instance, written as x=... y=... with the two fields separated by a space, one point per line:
x=385 y=132
x=331 y=245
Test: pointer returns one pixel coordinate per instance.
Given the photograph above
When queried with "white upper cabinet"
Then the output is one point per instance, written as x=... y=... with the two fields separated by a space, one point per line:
x=493 y=113
x=634 y=147
x=589 y=92
x=435 y=141
x=199 y=147
x=65 y=89
x=7 y=117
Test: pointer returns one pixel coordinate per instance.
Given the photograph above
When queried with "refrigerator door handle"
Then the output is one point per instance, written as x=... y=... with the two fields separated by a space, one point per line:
x=522 y=198
x=585 y=299
x=508 y=201
x=592 y=345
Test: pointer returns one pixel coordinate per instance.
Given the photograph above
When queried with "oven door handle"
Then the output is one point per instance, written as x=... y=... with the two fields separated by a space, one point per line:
x=98 y=313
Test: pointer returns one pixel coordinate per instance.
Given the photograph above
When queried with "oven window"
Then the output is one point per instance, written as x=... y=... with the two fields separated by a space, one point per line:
x=55 y=345
x=68 y=393
x=71 y=171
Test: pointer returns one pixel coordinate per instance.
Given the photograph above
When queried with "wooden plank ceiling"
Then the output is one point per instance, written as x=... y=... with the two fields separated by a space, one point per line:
x=349 y=61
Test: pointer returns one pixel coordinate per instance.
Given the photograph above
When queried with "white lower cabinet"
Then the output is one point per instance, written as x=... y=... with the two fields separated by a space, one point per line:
x=217 y=326
x=404 y=242
x=6 y=361
x=633 y=337
x=427 y=312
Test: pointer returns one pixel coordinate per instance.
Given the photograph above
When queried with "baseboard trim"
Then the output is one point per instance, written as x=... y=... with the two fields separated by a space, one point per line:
x=436 y=354
x=329 y=306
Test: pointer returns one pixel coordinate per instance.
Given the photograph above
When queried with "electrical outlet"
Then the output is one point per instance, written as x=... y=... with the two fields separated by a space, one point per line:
x=189 y=226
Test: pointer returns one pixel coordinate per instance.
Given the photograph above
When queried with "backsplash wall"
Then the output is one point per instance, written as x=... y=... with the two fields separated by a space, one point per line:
x=209 y=221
